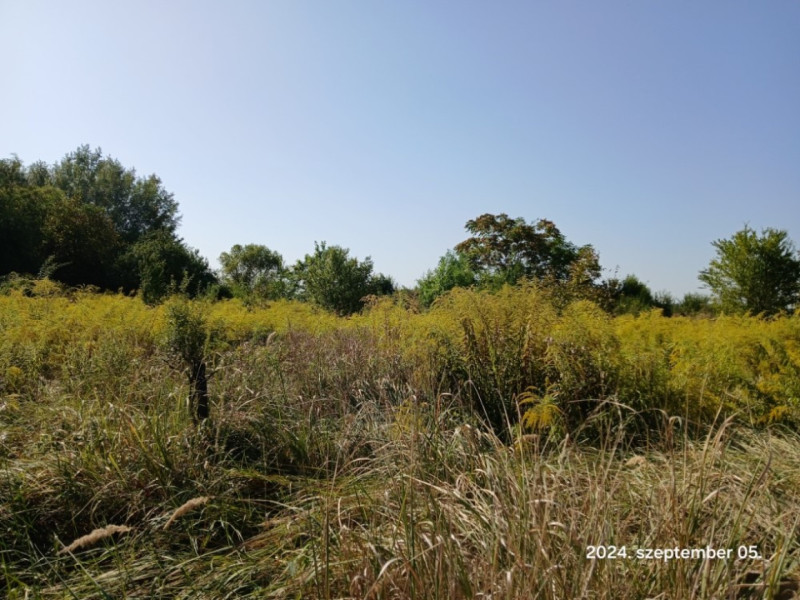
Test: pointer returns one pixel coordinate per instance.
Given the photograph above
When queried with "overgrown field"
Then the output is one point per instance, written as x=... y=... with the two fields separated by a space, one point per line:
x=475 y=450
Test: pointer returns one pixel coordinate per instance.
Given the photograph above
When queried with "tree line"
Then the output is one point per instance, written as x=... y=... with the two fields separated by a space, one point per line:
x=89 y=221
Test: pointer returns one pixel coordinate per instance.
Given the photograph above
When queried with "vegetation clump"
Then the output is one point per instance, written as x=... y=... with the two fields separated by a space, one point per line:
x=187 y=338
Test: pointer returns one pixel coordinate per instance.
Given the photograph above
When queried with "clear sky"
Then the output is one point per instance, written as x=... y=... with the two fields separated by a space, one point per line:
x=648 y=129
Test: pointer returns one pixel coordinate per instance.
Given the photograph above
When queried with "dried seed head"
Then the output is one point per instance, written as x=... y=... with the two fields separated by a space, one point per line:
x=186 y=507
x=94 y=537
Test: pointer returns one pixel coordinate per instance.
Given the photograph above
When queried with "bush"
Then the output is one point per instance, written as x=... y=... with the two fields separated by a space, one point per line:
x=187 y=338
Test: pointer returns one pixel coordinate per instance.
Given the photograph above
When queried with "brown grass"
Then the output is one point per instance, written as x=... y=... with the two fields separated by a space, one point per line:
x=95 y=536
x=185 y=508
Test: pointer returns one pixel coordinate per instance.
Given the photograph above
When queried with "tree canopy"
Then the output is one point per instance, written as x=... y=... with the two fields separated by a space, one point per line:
x=754 y=273
x=89 y=220
x=92 y=221
x=452 y=271
x=333 y=279
x=165 y=264
x=506 y=250
x=255 y=270
x=136 y=205
x=502 y=250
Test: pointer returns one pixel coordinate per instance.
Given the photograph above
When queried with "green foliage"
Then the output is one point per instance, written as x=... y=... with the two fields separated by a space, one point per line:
x=23 y=212
x=381 y=285
x=754 y=273
x=694 y=304
x=97 y=222
x=633 y=296
x=665 y=301
x=255 y=271
x=12 y=172
x=503 y=250
x=186 y=334
x=335 y=281
x=187 y=337
x=452 y=271
x=82 y=238
x=137 y=206
x=508 y=251
x=630 y=296
x=165 y=265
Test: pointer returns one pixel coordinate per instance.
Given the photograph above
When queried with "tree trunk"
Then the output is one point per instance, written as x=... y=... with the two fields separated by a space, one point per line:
x=199 y=397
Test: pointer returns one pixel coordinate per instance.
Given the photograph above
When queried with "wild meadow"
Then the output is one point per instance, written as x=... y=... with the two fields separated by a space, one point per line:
x=496 y=445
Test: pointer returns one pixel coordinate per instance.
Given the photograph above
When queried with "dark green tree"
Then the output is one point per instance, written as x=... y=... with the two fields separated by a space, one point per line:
x=92 y=221
x=633 y=296
x=23 y=212
x=694 y=305
x=165 y=265
x=382 y=285
x=754 y=273
x=336 y=281
x=82 y=240
x=12 y=172
x=38 y=174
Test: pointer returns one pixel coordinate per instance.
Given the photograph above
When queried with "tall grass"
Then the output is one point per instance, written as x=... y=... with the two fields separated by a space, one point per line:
x=387 y=455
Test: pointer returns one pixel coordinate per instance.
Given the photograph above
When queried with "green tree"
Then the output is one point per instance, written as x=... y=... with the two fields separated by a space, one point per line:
x=151 y=257
x=165 y=264
x=694 y=305
x=92 y=221
x=255 y=270
x=452 y=271
x=23 y=211
x=336 y=281
x=12 y=172
x=137 y=206
x=82 y=240
x=503 y=250
x=38 y=174
x=382 y=285
x=632 y=296
x=754 y=273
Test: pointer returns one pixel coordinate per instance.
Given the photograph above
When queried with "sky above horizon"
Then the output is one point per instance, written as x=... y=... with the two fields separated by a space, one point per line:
x=645 y=129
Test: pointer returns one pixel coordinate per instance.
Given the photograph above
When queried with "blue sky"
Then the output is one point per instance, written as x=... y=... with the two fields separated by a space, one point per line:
x=646 y=129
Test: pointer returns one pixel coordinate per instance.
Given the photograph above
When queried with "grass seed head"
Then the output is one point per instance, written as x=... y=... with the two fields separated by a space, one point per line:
x=95 y=536
x=186 y=507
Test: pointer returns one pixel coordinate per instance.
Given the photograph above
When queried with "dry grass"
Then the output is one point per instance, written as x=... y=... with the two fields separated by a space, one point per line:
x=185 y=508
x=434 y=513
x=344 y=462
x=95 y=536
